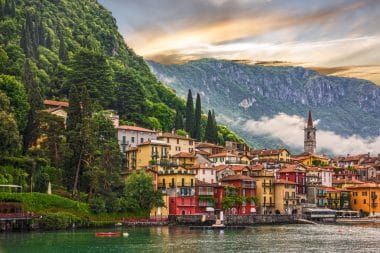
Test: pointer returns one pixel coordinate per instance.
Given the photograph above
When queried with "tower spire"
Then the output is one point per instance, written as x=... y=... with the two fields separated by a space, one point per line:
x=310 y=120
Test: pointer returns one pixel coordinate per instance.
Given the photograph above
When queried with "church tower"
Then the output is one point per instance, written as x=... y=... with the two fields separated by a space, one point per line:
x=310 y=140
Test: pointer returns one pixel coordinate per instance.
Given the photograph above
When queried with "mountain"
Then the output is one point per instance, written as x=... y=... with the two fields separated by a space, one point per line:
x=51 y=33
x=240 y=92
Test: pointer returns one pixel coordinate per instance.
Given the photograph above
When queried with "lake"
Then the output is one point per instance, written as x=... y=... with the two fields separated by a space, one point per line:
x=279 y=238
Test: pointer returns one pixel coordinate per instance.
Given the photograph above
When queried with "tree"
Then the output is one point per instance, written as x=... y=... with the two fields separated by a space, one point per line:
x=189 y=126
x=140 y=194
x=130 y=101
x=9 y=135
x=18 y=98
x=63 y=56
x=35 y=100
x=198 y=118
x=91 y=69
x=211 y=134
x=178 y=120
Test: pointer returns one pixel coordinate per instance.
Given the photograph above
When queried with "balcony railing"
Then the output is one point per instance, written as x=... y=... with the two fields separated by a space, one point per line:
x=268 y=204
x=291 y=198
x=205 y=193
x=268 y=185
x=210 y=204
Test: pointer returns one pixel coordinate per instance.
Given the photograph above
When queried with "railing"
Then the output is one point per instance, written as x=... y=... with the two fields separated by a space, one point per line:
x=207 y=204
x=268 y=204
x=291 y=198
x=205 y=193
x=268 y=185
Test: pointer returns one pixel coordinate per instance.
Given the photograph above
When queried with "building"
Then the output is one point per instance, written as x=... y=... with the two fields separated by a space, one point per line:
x=210 y=148
x=309 y=159
x=310 y=138
x=265 y=190
x=178 y=187
x=224 y=158
x=243 y=187
x=275 y=155
x=205 y=173
x=148 y=153
x=177 y=142
x=205 y=195
x=297 y=174
x=317 y=195
x=184 y=159
x=365 y=198
x=286 y=197
x=319 y=176
x=337 y=198
x=58 y=108
x=132 y=136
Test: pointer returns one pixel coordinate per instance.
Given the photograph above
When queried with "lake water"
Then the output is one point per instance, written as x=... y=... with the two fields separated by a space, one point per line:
x=280 y=238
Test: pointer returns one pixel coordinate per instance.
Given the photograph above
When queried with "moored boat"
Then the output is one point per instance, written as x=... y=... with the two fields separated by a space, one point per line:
x=102 y=234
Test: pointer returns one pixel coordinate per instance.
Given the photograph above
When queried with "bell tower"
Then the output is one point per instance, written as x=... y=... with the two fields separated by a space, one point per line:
x=310 y=140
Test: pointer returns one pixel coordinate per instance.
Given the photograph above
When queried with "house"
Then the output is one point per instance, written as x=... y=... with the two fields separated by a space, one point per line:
x=309 y=159
x=365 y=198
x=337 y=198
x=316 y=195
x=276 y=155
x=224 y=158
x=148 y=153
x=205 y=194
x=210 y=148
x=319 y=176
x=286 y=198
x=295 y=173
x=177 y=142
x=184 y=159
x=205 y=173
x=223 y=171
x=350 y=161
x=58 y=108
x=265 y=190
x=132 y=136
x=244 y=188
x=178 y=187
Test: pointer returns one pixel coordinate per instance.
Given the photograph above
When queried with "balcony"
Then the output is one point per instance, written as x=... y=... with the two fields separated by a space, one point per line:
x=205 y=193
x=267 y=185
x=248 y=185
x=268 y=204
x=291 y=198
x=206 y=204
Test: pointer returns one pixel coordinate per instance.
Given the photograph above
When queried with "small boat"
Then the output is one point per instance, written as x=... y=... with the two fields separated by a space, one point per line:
x=104 y=234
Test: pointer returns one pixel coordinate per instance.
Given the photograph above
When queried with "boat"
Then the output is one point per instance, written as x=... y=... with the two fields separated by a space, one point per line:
x=105 y=234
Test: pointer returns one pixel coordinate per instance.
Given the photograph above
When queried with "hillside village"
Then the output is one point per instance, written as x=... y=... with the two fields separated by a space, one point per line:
x=203 y=178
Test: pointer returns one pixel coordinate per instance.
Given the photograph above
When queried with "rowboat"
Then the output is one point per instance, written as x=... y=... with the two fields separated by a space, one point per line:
x=108 y=234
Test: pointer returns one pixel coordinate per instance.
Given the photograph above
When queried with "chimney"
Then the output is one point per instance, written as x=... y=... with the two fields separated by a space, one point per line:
x=348 y=155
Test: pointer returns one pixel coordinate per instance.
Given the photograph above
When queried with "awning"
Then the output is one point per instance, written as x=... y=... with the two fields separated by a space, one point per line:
x=209 y=209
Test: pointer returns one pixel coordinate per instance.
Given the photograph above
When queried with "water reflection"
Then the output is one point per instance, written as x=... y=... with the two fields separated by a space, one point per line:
x=284 y=238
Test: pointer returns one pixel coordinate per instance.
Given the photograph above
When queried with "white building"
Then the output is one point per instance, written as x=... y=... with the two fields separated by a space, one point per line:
x=225 y=158
x=131 y=136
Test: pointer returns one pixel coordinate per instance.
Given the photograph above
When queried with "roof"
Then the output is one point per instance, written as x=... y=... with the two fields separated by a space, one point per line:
x=267 y=152
x=283 y=181
x=207 y=145
x=154 y=142
x=309 y=120
x=56 y=103
x=292 y=168
x=201 y=183
x=235 y=167
x=365 y=185
x=184 y=155
x=354 y=158
x=224 y=154
x=136 y=129
x=237 y=177
x=172 y=135
x=202 y=152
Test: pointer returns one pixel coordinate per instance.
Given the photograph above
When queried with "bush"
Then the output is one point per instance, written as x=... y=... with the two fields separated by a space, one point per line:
x=97 y=205
x=61 y=220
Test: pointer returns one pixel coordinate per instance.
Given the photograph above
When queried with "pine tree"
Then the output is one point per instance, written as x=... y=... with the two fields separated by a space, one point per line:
x=189 y=126
x=197 y=120
x=178 y=120
x=36 y=103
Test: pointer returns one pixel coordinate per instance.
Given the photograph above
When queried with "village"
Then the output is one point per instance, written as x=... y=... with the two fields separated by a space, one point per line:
x=200 y=178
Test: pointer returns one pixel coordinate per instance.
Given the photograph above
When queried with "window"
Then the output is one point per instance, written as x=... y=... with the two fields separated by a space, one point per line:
x=244 y=192
x=354 y=201
x=172 y=182
x=192 y=183
x=204 y=171
x=141 y=140
x=133 y=139
x=364 y=193
x=190 y=143
x=183 y=182
x=163 y=182
x=265 y=199
x=177 y=141
x=212 y=172
x=364 y=201
x=124 y=139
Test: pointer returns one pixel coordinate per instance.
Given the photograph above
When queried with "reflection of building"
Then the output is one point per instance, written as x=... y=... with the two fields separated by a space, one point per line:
x=310 y=138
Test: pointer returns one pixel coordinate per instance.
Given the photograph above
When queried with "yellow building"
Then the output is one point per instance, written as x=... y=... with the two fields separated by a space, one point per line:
x=265 y=190
x=337 y=198
x=184 y=159
x=365 y=198
x=151 y=152
x=278 y=155
x=309 y=159
x=178 y=143
x=286 y=199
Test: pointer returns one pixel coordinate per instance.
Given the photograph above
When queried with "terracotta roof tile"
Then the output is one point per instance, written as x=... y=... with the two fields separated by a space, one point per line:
x=237 y=177
x=135 y=128
x=56 y=103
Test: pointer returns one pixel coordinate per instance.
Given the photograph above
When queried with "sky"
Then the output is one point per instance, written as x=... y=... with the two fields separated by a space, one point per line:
x=331 y=35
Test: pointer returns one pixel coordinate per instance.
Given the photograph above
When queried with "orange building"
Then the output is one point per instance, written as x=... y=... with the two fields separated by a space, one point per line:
x=365 y=198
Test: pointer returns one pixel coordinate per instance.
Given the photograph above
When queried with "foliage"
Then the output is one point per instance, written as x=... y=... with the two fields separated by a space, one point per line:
x=60 y=220
x=189 y=123
x=197 y=119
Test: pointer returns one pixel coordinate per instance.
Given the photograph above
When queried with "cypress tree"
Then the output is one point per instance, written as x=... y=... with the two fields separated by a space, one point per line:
x=36 y=103
x=197 y=118
x=209 y=128
x=49 y=41
x=13 y=9
x=215 y=127
x=189 y=126
x=62 y=48
x=7 y=8
x=2 y=14
x=178 y=120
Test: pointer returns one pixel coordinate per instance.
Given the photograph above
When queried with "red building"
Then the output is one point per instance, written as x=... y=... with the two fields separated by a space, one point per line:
x=294 y=173
x=240 y=186
x=205 y=195
x=184 y=203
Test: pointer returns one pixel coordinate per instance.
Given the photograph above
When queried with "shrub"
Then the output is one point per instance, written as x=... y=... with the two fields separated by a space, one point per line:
x=61 y=220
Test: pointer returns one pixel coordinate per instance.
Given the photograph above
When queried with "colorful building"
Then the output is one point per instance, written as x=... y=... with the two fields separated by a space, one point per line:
x=365 y=198
x=225 y=158
x=178 y=143
x=265 y=190
x=286 y=198
x=245 y=188
x=131 y=136
x=277 y=155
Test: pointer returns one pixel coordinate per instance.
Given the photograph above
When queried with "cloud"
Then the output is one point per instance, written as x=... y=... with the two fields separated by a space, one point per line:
x=289 y=129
